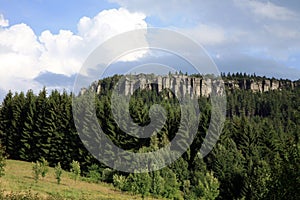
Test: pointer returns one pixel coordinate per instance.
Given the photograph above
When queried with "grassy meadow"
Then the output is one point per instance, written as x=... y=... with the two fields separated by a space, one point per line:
x=19 y=179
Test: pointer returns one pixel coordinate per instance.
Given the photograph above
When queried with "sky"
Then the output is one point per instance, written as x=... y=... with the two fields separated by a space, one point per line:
x=44 y=43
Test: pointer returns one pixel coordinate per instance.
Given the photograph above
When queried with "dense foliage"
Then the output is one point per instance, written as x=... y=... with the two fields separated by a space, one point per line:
x=257 y=156
x=2 y=160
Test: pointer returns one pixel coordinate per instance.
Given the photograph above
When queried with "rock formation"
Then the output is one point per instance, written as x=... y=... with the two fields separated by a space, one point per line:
x=182 y=85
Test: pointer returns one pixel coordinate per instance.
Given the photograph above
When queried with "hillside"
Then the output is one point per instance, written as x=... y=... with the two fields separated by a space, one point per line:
x=257 y=155
x=19 y=178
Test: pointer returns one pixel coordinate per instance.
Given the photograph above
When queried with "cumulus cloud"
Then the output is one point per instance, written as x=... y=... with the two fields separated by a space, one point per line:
x=24 y=55
x=109 y=23
x=19 y=53
x=246 y=30
x=3 y=22
x=65 y=52
x=61 y=53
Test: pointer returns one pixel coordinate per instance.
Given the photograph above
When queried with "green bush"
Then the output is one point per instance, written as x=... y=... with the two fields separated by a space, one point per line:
x=58 y=172
x=40 y=168
x=94 y=174
x=44 y=167
x=75 y=169
x=119 y=181
x=139 y=183
x=37 y=170
x=107 y=175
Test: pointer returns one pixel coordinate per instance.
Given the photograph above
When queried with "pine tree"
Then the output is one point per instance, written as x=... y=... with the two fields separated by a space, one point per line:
x=171 y=187
x=3 y=157
x=157 y=185
x=207 y=188
x=26 y=139
x=7 y=122
x=143 y=183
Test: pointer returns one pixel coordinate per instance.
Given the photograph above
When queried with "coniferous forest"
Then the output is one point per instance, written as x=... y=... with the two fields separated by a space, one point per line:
x=256 y=157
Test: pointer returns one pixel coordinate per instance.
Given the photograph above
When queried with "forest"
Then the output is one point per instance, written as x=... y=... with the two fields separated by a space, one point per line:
x=256 y=157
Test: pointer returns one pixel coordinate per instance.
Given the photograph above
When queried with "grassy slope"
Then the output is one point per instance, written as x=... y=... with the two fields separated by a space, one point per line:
x=19 y=177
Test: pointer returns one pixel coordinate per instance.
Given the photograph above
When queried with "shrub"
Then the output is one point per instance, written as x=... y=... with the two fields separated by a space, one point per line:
x=44 y=167
x=37 y=170
x=107 y=175
x=139 y=183
x=119 y=181
x=94 y=173
x=75 y=169
x=58 y=172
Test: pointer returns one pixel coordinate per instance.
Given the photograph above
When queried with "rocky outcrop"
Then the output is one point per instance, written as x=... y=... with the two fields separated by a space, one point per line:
x=182 y=85
x=261 y=85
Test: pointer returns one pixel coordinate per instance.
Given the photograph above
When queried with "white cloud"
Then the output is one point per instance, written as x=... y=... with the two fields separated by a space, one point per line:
x=24 y=55
x=206 y=34
x=65 y=52
x=3 y=22
x=283 y=32
x=20 y=39
x=156 y=7
x=61 y=52
x=19 y=53
x=272 y=11
x=109 y=23
x=256 y=28
x=268 y=10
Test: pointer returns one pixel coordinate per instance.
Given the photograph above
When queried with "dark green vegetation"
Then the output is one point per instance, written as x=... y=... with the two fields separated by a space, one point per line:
x=257 y=156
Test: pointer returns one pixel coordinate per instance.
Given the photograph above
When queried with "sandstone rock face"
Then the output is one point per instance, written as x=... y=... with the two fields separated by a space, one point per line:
x=274 y=85
x=159 y=83
x=296 y=83
x=231 y=84
x=206 y=87
x=98 y=89
x=197 y=87
x=83 y=91
x=266 y=85
x=256 y=86
x=218 y=87
x=182 y=85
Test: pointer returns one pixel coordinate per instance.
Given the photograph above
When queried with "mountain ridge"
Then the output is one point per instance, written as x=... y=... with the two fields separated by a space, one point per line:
x=195 y=85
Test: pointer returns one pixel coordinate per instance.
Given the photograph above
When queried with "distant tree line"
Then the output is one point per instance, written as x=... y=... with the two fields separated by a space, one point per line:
x=256 y=157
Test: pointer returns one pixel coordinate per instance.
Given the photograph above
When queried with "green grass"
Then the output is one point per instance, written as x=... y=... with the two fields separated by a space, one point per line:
x=19 y=179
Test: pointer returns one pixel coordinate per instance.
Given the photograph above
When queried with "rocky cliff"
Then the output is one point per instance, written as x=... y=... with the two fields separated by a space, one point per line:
x=196 y=86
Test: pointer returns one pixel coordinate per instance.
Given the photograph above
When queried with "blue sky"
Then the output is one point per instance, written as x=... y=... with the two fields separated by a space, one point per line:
x=41 y=42
x=51 y=15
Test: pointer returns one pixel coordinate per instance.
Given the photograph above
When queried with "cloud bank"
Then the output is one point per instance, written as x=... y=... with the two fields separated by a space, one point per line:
x=265 y=31
x=25 y=55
